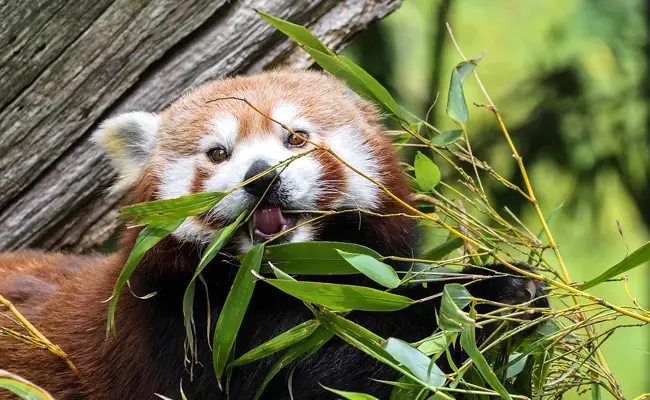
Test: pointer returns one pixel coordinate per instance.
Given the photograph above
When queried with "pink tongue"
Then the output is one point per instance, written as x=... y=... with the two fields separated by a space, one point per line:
x=268 y=219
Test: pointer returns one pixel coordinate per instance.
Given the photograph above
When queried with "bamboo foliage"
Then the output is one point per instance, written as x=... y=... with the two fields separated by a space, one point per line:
x=562 y=354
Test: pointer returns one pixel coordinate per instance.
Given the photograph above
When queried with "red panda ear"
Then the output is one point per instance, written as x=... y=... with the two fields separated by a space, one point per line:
x=129 y=139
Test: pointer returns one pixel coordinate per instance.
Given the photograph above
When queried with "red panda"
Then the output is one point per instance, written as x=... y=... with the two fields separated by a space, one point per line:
x=209 y=140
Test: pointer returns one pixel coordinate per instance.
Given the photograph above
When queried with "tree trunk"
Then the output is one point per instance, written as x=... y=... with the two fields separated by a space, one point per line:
x=67 y=65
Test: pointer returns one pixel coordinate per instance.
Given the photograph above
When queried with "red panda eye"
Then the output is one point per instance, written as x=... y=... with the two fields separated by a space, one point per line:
x=217 y=155
x=295 y=140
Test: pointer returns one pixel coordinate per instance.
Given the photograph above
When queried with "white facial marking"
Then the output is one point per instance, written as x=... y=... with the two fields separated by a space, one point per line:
x=288 y=114
x=176 y=182
x=349 y=144
x=303 y=234
x=223 y=132
x=192 y=231
x=285 y=112
x=177 y=178
x=298 y=180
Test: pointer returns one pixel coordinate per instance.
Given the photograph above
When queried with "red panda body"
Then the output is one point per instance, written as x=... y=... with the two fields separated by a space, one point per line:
x=211 y=140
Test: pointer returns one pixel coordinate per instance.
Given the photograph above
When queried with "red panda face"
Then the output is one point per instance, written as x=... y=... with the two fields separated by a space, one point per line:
x=208 y=141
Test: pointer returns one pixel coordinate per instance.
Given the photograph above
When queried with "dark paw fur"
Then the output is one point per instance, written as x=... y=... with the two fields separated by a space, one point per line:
x=505 y=287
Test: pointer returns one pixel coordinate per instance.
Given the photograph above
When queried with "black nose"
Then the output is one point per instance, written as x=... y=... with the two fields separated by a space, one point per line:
x=259 y=185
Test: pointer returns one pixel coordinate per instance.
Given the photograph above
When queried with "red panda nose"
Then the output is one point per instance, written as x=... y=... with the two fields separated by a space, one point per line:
x=259 y=185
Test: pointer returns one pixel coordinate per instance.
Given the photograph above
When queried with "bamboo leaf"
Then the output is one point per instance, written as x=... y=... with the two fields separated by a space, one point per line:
x=416 y=361
x=456 y=105
x=518 y=366
x=426 y=172
x=342 y=297
x=147 y=238
x=356 y=77
x=376 y=270
x=595 y=392
x=303 y=349
x=336 y=66
x=350 y=395
x=379 y=92
x=22 y=387
x=523 y=383
x=468 y=343
x=452 y=318
x=298 y=33
x=282 y=341
x=434 y=345
x=363 y=339
x=638 y=257
x=446 y=138
x=314 y=258
x=234 y=308
x=219 y=240
x=405 y=389
x=280 y=274
x=184 y=206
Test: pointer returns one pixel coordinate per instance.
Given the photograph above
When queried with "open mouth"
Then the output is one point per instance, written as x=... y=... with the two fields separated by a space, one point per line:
x=268 y=221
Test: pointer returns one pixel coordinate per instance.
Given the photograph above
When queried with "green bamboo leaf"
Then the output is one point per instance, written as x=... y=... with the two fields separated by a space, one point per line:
x=518 y=366
x=456 y=105
x=376 y=270
x=342 y=297
x=298 y=33
x=219 y=240
x=363 y=339
x=146 y=239
x=335 y=66
x=234 y=308
x=441 y=251
x=468 y=343
x=543 y=335
x=280 y=342
x=417 y=362
x=280 y=274
x=595 y=392
x=523 y=383
x=452 y=318
x=184 y=206
x=379 y=92
x=638 y=257
x=350 y=395
x=302 y=349
x=434 y=345
x=405 y=389
x=426 y=172
x=314 y=258
x=447 y=138
x=541 y=369
x=21 y=387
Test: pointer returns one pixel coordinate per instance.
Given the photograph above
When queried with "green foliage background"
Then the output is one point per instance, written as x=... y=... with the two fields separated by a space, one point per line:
x=570 y=78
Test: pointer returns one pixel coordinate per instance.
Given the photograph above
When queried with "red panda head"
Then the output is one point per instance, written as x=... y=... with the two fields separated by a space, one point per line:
x=209 y=141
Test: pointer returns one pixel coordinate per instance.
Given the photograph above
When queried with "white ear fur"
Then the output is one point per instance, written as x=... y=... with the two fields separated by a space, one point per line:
x=129 y=139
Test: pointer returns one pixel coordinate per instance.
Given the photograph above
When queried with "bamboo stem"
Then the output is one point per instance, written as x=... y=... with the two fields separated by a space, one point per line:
x=531 y=194
x=56 y=350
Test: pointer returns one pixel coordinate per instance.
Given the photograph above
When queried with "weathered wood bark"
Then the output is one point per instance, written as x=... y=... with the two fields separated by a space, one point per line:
x=67 y=65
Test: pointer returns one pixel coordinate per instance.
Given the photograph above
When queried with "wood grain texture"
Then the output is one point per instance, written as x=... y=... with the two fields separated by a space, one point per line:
x=105 y=57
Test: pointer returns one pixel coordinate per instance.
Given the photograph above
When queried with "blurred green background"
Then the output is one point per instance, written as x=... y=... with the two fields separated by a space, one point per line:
x=572 y=82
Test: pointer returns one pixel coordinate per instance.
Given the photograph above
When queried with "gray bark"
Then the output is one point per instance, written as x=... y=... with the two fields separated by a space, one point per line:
x=67 y=65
